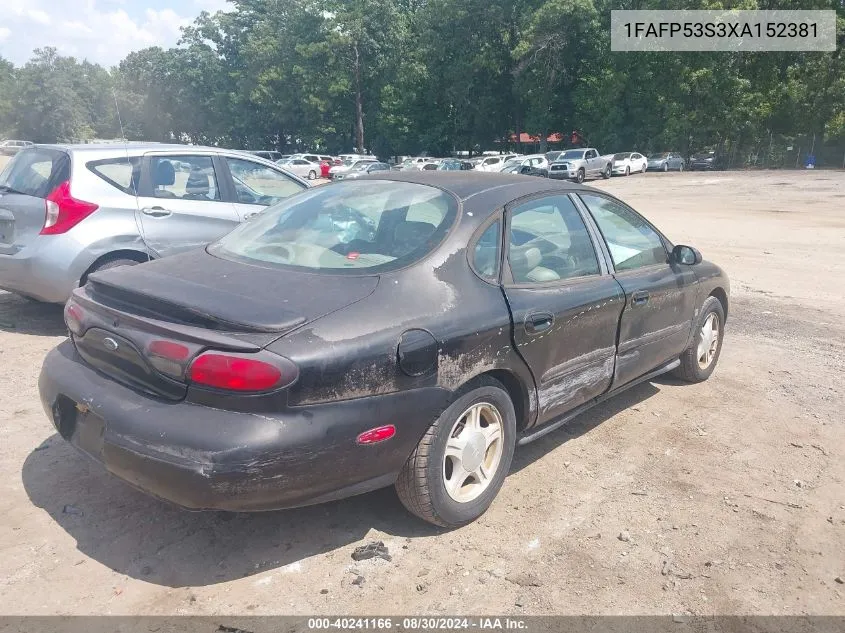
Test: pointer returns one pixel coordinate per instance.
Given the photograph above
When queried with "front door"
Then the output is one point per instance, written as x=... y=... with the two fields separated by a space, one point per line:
x=565 y=304
x=659 y=295
x=181 y=207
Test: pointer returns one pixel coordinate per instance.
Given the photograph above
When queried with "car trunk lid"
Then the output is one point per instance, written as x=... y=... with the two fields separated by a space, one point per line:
x=196 y=302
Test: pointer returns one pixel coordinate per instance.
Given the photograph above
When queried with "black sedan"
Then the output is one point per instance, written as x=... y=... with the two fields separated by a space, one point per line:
x=404 y=329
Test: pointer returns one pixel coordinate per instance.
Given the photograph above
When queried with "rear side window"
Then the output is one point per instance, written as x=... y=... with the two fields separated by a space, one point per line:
x=485 y=254
x=121 y=173
x=36 y=172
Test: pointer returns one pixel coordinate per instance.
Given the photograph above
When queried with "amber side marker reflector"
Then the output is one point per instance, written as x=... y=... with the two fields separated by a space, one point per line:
x=376 y=435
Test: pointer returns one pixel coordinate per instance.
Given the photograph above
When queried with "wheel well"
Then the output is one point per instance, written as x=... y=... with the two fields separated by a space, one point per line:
x=136 y=256
x=722 y=296
x=517 y=392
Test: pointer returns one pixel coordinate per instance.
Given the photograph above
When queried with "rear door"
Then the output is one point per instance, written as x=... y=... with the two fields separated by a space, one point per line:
x=659 y=295
x=27 y=180
x=180 y=203
x=256 y=186
x=564 y=302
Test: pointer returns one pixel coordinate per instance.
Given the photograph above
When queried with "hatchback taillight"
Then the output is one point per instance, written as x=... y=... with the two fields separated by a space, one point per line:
x=241 y=372
x=62 y=211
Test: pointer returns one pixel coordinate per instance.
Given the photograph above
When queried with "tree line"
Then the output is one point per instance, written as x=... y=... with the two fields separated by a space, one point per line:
x=437 y=76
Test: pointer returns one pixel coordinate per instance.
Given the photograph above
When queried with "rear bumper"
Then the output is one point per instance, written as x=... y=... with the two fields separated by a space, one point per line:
x=201 y=458
x=44 y=270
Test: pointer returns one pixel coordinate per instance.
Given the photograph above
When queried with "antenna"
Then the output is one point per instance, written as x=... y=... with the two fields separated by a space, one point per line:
x=139 y=223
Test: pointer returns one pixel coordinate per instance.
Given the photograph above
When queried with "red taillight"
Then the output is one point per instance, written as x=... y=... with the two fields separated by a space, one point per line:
x=73 y=317
x=379 y=434
x=168 y=357
x=63 y=211
x=240 y=373
x=169 y=350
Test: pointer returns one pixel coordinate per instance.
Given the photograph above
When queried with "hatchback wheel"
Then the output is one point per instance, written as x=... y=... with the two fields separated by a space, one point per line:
x=699 y=360
x=312 y=175
x=461 y=462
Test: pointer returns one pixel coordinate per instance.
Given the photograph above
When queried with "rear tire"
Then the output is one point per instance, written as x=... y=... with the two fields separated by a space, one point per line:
x=422 y=483
x=699 y=360
x=606 y=173
x=681 y=167
x=627 y=171
x=642 y=171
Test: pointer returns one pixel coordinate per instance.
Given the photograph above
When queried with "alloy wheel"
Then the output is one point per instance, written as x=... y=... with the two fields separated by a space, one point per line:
x=473 y=452
x=708 y=341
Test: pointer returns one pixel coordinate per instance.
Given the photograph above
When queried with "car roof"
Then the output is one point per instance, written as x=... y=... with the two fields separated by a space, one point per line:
x=483 y=193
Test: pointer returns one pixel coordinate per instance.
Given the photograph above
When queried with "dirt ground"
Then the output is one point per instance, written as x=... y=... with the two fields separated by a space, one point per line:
x=730 y=492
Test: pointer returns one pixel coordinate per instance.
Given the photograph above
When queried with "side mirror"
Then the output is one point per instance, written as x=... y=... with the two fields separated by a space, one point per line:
x=686 y=255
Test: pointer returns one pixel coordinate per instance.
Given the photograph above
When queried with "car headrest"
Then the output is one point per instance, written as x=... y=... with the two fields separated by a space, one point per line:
x=165 y=174
x=197 y=184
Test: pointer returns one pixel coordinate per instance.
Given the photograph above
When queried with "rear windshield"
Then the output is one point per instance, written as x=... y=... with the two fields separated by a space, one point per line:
x=349 y=227
x=36 y=172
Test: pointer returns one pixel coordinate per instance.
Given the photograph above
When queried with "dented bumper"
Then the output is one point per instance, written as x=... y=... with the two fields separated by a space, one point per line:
x=203 y=458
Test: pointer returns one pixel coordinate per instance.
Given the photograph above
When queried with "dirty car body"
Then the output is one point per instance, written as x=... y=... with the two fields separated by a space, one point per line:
x=424 y=283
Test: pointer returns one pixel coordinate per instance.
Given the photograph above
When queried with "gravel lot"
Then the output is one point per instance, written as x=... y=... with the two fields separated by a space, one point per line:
x=730 y=492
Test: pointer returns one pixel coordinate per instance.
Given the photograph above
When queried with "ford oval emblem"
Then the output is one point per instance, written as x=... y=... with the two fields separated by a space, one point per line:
x=110 y=344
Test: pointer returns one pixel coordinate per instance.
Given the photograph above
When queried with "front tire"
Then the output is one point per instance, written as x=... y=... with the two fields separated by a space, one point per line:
x=665 y=166
x=312 y=175
x=579 y=178
x=681 y=167
x=699 y=360
x=461 y=462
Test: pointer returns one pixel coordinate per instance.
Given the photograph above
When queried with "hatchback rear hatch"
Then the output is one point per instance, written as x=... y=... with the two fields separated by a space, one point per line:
x=32 y=177
x=162 y=315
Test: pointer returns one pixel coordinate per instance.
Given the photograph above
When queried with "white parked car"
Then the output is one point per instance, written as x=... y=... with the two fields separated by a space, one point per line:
x=537 y=161
x=494 y=163
x=627 y=163
x=301 y=167
x=349 y=164
x=420 y=162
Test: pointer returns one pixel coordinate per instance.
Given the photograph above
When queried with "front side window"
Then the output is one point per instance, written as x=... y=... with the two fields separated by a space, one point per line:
x=184 y=177
x=548 y=241
x=259 y=184
x=355 y=226
x=630 y=239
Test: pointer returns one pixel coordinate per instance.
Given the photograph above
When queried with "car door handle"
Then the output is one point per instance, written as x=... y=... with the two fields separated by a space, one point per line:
x=538 y=322
x=249 y=216
x=156 y=212
x=639 y=298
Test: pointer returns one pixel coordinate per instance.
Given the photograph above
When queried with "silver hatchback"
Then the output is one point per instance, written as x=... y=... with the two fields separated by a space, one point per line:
x=69 y=210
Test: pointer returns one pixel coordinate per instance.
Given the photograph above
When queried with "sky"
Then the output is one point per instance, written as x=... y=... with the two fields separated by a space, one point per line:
x=101 y=31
